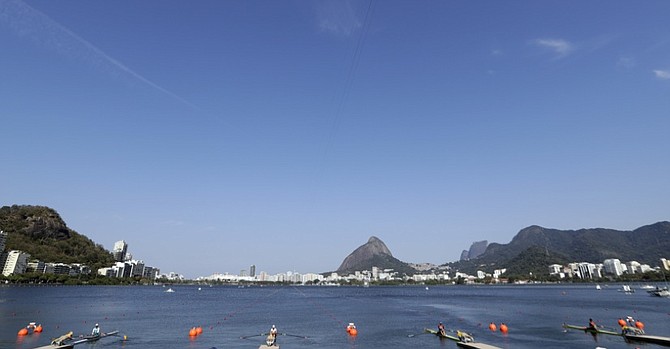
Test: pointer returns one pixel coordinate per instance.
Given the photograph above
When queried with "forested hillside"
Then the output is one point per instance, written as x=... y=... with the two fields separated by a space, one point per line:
x=41 y=232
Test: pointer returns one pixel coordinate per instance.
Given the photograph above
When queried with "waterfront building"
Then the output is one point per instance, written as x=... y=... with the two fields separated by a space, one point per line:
x=665 y=264
x=16 y=263
x=136 y=268
x=36 y=266
x=613 y=267
x=634 y=267
x=120 y=250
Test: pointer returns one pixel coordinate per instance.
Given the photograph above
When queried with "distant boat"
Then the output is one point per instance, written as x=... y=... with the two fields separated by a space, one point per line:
x=169 y=290
x=647 y=287
x=597 y=287
x=626 y=289
x=660 y=292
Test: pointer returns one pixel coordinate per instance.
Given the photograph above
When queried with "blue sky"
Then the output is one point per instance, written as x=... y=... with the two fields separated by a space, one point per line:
x=213 y=135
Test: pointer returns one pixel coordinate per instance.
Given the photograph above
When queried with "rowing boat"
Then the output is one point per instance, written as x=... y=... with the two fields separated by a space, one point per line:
x=270 y=343
x=441 y=334
x=591 y=330
x=92 y=337
x=664 y=341
x=54 y=346
x=639 y=337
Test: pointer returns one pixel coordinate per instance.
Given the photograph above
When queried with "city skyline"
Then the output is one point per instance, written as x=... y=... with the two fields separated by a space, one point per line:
x=286 y=134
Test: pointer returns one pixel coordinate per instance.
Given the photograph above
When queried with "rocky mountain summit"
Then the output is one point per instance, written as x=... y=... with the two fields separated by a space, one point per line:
x=374 y=253
x=476 y=249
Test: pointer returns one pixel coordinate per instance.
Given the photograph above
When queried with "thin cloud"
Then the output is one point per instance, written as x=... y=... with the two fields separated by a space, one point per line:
x=337 y=18
x=560 y=47
x=626 y=62
x=31 y=24
x=662 y=74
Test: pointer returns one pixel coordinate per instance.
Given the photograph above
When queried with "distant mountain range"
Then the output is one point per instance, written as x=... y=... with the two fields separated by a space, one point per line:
x=534 y=248
x=40 y=231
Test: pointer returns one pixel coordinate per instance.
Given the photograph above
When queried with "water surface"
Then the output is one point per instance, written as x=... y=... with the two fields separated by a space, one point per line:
x=386 y=317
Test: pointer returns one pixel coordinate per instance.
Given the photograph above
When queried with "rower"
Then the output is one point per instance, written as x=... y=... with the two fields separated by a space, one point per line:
x=96 y=330
x=62 y=339
x=592 y=324
x=464 y=337
x=440 y=329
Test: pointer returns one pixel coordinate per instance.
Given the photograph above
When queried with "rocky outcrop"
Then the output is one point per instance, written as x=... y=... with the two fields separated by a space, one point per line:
x=374 y=253
x=476 y=249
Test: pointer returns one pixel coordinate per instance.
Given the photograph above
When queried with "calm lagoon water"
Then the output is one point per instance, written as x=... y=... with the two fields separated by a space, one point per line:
x=386 y=317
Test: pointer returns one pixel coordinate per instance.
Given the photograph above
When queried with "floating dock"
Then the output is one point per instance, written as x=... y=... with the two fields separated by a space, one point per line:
x=475 y=345
x=664 y=341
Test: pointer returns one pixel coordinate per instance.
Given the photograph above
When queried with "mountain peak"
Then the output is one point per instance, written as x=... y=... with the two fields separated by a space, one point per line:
x=372 y=253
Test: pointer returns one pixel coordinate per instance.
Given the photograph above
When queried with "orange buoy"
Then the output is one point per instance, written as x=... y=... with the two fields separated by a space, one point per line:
x=23 y=332
x=492 y=327
x=639 y=325
x=351 y=329
x=193 y=332
x=38 y=328
x=198 y=330
x=621 y=322
x=503 y=328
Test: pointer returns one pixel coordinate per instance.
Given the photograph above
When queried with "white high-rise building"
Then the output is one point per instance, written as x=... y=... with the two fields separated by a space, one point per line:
x=17 y=262
x=120 y=250
x=613 y=267
x=665 y=264
x=634 y=267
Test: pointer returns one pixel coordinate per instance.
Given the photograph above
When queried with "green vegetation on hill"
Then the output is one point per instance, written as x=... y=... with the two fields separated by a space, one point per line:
x=41 y=232
x=534 y=248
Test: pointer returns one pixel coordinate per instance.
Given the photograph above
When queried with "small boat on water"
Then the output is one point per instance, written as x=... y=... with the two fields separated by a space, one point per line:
x=591 y=330
x=597 y=287
x=626 y=289
x=442 y=334
x=54 y=346
x=169 y=290
x=70 y=343
x=92 y=337
x=270 y=343
x=660 y=292
x=464 y=341
x=633 y=336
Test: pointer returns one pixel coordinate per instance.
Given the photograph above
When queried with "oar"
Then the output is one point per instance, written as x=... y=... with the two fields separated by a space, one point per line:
x=254 y=335
x=417 y=334
x=293 y=335
x=117 y=334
